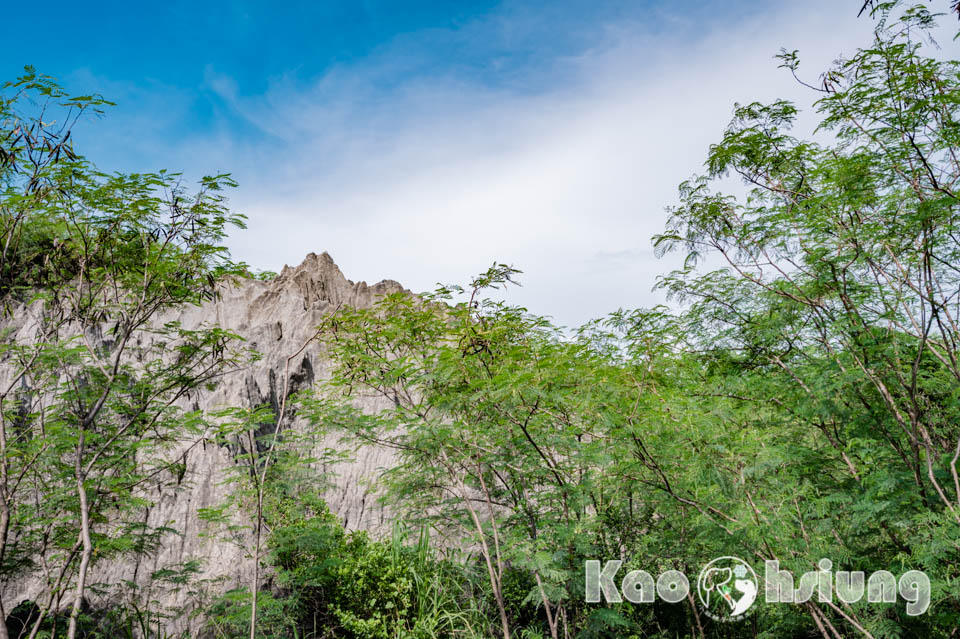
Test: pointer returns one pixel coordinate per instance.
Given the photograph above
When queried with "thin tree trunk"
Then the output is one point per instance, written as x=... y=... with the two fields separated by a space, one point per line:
x=87 y=544
x=4 y=500
x=696 y=615
x=4 y=527
x=495 y=584
x=552 y=619
x=255 y=587
x=55 y=588
x=816 y=619
x=262 y=480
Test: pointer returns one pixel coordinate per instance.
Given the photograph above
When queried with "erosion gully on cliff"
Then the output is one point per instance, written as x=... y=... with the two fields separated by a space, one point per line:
x=276 y=318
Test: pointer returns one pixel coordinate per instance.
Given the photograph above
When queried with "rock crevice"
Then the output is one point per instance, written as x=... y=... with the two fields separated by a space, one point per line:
x=275 y=318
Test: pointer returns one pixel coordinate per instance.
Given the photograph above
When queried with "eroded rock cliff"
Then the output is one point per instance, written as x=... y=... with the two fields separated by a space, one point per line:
x=276 y=318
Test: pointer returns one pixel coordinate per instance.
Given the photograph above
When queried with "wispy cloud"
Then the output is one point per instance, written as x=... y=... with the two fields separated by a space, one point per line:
x=562 y=166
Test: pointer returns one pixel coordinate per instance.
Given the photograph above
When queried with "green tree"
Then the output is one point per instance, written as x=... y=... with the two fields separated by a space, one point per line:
x=508 y=435
x=95 y=376
x=803 y=404
x=832 y=333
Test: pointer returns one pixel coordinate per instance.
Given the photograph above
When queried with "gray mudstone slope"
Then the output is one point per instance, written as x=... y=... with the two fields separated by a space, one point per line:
x=276 y=318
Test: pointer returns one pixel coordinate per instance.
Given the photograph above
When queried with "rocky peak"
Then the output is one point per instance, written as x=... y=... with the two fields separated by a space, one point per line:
x=275 y=317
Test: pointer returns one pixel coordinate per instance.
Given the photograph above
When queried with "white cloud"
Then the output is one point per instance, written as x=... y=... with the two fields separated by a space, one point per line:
x=436 y=178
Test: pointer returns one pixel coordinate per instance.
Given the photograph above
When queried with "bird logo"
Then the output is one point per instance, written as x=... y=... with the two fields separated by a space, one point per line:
x=727 y=588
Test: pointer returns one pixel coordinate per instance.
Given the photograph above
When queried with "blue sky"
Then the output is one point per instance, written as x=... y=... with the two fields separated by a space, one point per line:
x=172 y=43
x=420 y=141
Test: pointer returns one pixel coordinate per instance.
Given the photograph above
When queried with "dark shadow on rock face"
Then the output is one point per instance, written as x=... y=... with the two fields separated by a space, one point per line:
x=21 y=619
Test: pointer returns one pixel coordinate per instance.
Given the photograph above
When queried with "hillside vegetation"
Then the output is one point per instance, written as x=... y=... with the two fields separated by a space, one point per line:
x=801 y=403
